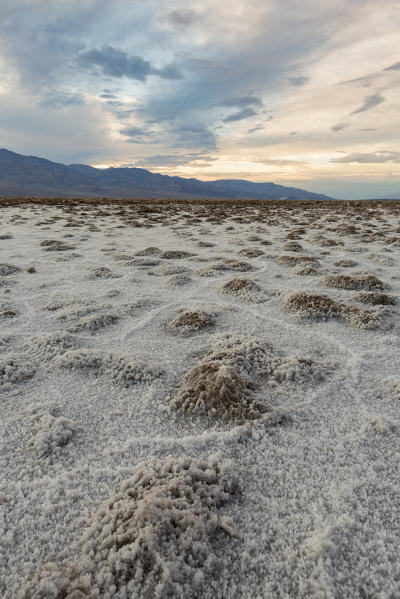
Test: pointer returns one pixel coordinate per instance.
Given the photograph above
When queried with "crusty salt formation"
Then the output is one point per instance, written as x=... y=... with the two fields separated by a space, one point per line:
x=217 y=390
x=287 y=260
x=49 y=345
x=321 y=307
x=55 y=245
x=188 y=322
x=150 y=251
x=175 y=254
x=361 y=318
x=260 y=361
x=101 y=272
x=161 y=536
x=95 y=322
x=346 y=263
x=312 y=305
x=178 y=280
x=14 y=369
x=305 y=270
x=52 y=433
x=251 y=252
x=232 y=264
x=117 y=368
x=365 y=282
x=292 y=246
x=222 y=384
x=8 y=269
x=243 y=288
x=376 y=299
x=8 y=311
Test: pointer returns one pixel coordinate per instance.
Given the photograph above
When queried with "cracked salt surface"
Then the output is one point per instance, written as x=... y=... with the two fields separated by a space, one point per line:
x=164 y=439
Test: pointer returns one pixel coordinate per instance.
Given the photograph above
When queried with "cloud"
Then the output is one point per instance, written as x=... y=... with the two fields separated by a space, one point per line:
x=182 y=17
x=369 y=103
x=193 y=135
x=161 y=160
x=369 y=158
x=340 y=126
x=393 y=67
x=298 y=81
x=245 y=113
x=116 y=63
x=280 y=162
x=241 y=101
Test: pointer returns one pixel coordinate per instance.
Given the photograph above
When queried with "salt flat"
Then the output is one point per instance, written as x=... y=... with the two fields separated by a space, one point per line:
x=199 y=399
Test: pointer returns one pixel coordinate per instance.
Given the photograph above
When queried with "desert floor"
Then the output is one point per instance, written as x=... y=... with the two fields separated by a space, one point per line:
x=199 y=399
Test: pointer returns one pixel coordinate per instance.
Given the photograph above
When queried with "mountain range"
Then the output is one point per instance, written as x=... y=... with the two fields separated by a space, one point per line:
x=25 y=176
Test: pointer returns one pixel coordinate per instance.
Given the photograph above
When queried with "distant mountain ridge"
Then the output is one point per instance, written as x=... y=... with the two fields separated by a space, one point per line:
x=27 y=176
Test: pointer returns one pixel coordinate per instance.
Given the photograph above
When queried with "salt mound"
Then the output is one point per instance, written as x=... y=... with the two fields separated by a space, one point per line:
x=294 y=260
x=216 y=389
x=292 y=246
x=172 y=269
x=232 y=264
x=258 y=359
x=101 y=272
x=243 y=288
x=146 y=261
x=117 y=368
x=52 y=433
x=176 y=254
x=49 y=345
x=305 y=270
x=150 y=251
x=178 y=280
x=95 y=323
x=54 y=245
x=7 y=310
x=322 y=307
x=367 y=282
x=251 y=252
x=361 y=318
x=312 y=305
x=8 y=269
x=345 y=263
x=190 y=321
x=14 y=369
x=159 y=537
x=376 y=299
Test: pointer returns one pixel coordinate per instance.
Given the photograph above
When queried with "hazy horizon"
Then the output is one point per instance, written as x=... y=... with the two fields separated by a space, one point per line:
x=301 y=94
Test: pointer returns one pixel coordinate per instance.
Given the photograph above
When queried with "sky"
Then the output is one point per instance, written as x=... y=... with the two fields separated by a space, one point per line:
x=299 y=92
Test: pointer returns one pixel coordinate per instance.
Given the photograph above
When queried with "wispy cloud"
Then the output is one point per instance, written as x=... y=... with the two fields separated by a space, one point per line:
x=340 y=126
x=369 y=158
x=369 y=103
x=245 y=113
x=116 y=63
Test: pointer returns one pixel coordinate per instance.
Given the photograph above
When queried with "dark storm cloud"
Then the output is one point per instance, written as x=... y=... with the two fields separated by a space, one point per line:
x=369 y=158
x=369 y=103
x=116 y=63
